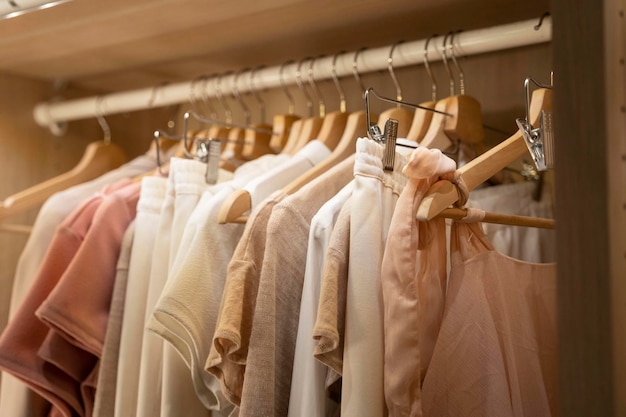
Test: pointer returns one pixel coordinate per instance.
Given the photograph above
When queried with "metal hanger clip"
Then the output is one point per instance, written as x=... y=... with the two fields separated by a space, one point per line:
x=539 y=140
x=208 y=151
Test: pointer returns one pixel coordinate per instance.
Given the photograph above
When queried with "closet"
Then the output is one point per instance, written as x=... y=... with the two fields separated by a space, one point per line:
x=89 y=48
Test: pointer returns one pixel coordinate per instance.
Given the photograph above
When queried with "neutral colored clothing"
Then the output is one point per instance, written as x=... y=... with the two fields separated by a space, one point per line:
x=104 y=401
x=308 y=382
x=15 y=398
x=373 y=200
x=275 y=320
x=131 y=337
x=413 y=283
x=496 y=354
x=312 y=154
x=185 y=176
x=330 y=324
x=227 y=359
x=188 y=308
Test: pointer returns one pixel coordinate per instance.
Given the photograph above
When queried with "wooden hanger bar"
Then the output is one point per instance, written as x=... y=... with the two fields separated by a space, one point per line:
x=497 y=218
x=472 y=42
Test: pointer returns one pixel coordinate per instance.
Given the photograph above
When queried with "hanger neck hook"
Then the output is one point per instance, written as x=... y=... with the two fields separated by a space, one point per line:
x=428 y=69
x=355 y=71
x=315 y=88
x=256 y=93
x=205 y=97
x=392 y=72
x=192 y=92
x=228 y=113
x=444 y=57
x=456 y=63
x=292 y=104
x=342 y=96
x=106 y=130
x=237 y=96
x=309 y=102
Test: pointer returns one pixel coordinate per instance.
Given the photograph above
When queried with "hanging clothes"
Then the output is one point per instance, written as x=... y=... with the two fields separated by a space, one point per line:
x=128 y=365
x=373 y=200
x=496 y=354
x=308 y=390
x=15 y=396
x=275 y=320
x=104 y=395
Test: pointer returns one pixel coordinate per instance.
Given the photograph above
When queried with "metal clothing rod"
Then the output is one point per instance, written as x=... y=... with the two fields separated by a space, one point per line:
x=472 y=42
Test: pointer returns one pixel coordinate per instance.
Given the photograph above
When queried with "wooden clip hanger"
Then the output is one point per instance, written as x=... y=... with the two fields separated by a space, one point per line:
x=443 y=194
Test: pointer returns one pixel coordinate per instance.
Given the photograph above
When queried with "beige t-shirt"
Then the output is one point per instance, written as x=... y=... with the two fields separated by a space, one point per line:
x=227 y=359
x=269 y=364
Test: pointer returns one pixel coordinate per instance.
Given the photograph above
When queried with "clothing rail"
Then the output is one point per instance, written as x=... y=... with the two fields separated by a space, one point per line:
x=472 y=42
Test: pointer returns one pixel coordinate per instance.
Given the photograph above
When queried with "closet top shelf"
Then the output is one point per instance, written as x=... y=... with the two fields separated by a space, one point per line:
x=118 y=45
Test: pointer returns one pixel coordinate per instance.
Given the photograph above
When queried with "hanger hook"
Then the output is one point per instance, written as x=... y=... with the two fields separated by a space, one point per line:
x=456 y=63
x=228 y=113
x=355 y=70
x=102 y=121
x=309 y=102
x=205 y=97
x=192 y=91
x=444 y=56
x=342 y=95
x=543 y=16
x=315 y=88
x=428 y=69
x=392 y=72
x=237 y=95
x=292 y=103
x=256 y=93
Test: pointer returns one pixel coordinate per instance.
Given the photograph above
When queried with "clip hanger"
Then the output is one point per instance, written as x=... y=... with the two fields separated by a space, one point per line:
x=539 y=140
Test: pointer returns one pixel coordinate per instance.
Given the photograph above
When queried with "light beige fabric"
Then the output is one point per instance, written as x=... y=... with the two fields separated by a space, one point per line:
x=496 y=355
x=269 y=364
x=227 y=359
x=329 y=330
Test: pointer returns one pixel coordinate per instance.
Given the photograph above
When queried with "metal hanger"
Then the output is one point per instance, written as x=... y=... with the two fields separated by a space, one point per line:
x=286 y=126
x=422 y=119
x=399 y=113
x=312 y=125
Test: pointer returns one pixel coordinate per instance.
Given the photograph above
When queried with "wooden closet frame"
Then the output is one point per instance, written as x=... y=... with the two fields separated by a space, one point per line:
x=590 y=175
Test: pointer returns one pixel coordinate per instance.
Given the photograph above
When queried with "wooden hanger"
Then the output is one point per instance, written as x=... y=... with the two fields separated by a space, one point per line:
x=284 y=125
x=355 y=128
x=498 y=218
x=462 y=122
x=442 y=194
x=465 y=123
x=256 y=141
x=293 y=138
x=99 y=158
x=423 y=118
x=346 y=146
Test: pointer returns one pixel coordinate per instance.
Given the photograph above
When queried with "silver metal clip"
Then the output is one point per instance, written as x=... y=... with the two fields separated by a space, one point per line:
x=208 y=151
x=391 y=134
x=539 y=140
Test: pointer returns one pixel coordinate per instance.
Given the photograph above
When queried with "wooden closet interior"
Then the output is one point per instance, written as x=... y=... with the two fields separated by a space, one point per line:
x=86 y=48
